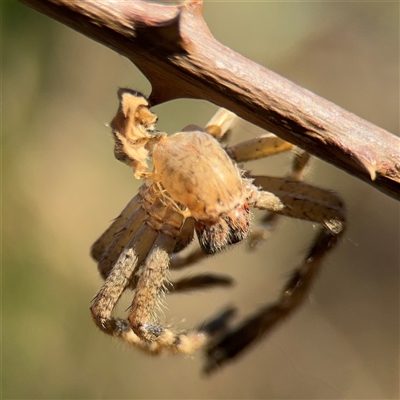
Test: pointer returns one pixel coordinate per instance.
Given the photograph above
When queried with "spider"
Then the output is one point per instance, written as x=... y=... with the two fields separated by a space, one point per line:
x=194 y=185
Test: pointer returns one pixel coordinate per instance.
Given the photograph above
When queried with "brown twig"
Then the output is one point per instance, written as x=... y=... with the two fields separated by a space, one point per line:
x=174 y=49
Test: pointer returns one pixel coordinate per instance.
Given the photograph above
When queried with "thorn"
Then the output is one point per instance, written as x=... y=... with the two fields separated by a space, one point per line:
x=370 y=167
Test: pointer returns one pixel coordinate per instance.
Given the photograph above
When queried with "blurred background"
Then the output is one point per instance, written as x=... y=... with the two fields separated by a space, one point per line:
x=62 y=187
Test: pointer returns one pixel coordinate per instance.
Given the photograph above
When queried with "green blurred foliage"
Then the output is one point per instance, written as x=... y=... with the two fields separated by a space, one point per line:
x=62 y=186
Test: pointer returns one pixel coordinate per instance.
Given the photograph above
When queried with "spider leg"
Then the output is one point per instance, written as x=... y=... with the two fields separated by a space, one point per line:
x=218 y=324
x=107 y=248
x=309 y=203
x=152 y=284
x=123 y=234
x=146 y=332
x=185 y=235
x=220 y=124
x=118 y=280
x=143 y=264
x=253 y=149
x=199 y=282
x=179 y=262
x=100 y=245
x=268 y=223
x=299 y=165
x=150 y=288
x=297 y=199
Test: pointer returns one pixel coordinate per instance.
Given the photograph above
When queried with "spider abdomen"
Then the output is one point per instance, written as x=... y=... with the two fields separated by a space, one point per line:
x=197 y=172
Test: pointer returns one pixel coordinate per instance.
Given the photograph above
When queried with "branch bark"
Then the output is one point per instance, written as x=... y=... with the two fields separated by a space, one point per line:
x=173 y=47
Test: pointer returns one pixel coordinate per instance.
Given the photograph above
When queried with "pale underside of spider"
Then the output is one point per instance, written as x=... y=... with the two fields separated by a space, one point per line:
x=195 y=185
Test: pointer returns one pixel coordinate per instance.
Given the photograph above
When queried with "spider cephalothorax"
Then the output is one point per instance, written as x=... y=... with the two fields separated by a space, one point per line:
x=195 y=185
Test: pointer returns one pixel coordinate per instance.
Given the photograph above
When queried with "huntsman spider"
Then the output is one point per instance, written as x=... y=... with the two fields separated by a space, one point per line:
x=194 y=184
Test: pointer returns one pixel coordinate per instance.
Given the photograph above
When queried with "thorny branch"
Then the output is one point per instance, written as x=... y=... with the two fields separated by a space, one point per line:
x=173 y=47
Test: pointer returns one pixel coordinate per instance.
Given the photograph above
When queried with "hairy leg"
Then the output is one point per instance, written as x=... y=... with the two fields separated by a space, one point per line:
x=300 y=201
